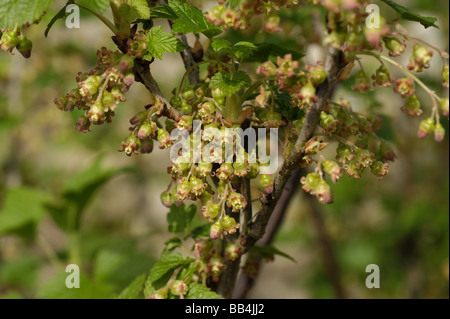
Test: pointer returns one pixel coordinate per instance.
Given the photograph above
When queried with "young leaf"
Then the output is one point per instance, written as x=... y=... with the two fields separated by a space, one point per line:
x=134 y=290
x=265 y=51
x=60 y=15
x=180 y=217
x=244 y=49
x=187 y=272
x=22 y=207
x=191 y=19
x=201 y=231
x=221 y=44
x=135 y=9
x=163 y=12
x=198 y=291
x=160 y=42
x=171 y=244
x=166 y=263
x=96 y=5
x=407 y=14
x=269 y=251
x=230 y=85
x=14 y=13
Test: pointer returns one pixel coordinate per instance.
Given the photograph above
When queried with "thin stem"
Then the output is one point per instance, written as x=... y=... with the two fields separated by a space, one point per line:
x=108 y=23
x=48 y=250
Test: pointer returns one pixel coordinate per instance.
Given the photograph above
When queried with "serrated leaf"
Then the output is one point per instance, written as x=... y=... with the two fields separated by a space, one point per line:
x=134 y=290
x=160 y=42
x=96 y=5
x=135 y=9
x=166 y=263
x=14 y=13
x=60 y=15
x=22 y=207
x=407 y=14
x=221 y=44
x=191 y=19
x=269 y=251
x=172 y=244
x=187 y=272
x=180 y=217
x=163 y=12
x=244 y=49
x=198 y=291
x=230 y=85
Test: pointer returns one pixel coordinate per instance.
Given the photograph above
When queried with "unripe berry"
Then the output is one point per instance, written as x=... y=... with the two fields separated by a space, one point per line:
x=332 y=169
x=185 y=122
x=176 y=102
x=324 y=193
x=196 y=186
x=24 y=47
x=445 y=106
x=204 y=169
x=186 y=108
x=439 y=132
x=362 y=82
x=228 y=224
x=253 y=172
x=215 y=266
x=225 y=171
x=188 y=94
x=382 y=77
x=218 y=96
x=164 y=138
x=310 y=182
x=379 y=169
x=317 y=75
x=215 y=230
x=344 y=153
x=328 y=122
x=178 y=288
x=183 y=190
x=394 y=46
x=206 y=109
x=266 y=182
x=412 y=106
x=237 y=201
x=445 y=75
x=126 y=63
x=166 y=199
x=9 y=41
x=130 y=145
x=426 y=127
x=128 y=79
x=240 y=169
x=353 y=169
x=232 y=252
x=139 y=118
x=108 y=100
x=211 y=211
x=307 y=95
x=147 y=129
x=364 y=157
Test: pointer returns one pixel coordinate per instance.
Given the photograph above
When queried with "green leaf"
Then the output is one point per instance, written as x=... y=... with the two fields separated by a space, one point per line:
x=166 y=263
x=163 y=12
x=191 y=19
x=244 y=49
x=96 y=5
x=269 y=251
x=180 y=217
x=135 y=9
x=187 y=272
x=14 y=13
x=198 y=291
x=60 y=15
x=172 y=244
x=160 y=42
x=78 y=192
x=23 y=207
x=55 y=288
x=407 y=14
x=134 y=290
x=230 y=85
x=201 y=231
x=221 y=44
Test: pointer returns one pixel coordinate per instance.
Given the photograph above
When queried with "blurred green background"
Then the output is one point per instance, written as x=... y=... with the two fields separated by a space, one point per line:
x=68 y=197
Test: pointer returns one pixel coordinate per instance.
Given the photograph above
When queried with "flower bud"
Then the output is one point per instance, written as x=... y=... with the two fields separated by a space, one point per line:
x=147 y=129
x=166 y=199
x=439 y=132
x=412 y=106
x=382 y=77
x=237 y=202
x=215 y=267
x=216 y=230
x=379 y=169
x=178 y=288
x=225 y=171
x=126 y=63
x=426 y=127
x=317 y=75
x=24 y=47
x=232 y=252
x=266 y=182
x=183 y=189
x=445 y=75
x=332 y=169
x=394 y=46
x=229 y=224
x=164 y=138
x=211 y=211
x=130 y=145
x=362 y=82
x=96 y=113
x=444 y=106
x=196 y=186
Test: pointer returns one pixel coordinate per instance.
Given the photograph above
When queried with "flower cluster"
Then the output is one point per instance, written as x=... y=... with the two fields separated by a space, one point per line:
x=11 y=39
x=100 y=90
